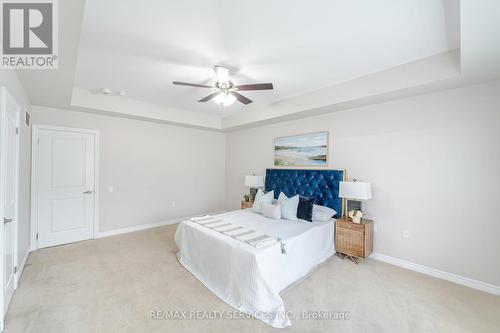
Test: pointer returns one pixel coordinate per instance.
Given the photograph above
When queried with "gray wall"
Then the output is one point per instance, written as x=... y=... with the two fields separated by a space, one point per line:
x=433 y=162
x=149 y=165
x=9 y=79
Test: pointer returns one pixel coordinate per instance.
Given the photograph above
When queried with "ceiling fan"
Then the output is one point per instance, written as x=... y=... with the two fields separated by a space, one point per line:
x=227 y=93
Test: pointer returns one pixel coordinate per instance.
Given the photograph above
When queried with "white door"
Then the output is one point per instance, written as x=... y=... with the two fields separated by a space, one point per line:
x=9 y=171
x=65 y=186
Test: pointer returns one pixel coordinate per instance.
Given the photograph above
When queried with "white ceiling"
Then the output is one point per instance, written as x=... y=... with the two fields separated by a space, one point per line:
x=141 y=47
x=322 y=56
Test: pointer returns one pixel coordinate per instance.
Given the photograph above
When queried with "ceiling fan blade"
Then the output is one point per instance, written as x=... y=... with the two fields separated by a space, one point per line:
x=241 y=98
x=192 y=84
x=255 y=86
x=209 y=97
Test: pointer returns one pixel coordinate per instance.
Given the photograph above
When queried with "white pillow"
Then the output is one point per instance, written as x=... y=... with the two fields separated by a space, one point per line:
x=261 y=198
x=271 y=211
x=288 y=206
x=322 y=213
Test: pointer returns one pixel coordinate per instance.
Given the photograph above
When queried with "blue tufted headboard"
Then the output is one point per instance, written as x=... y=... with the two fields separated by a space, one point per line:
x=323 y=185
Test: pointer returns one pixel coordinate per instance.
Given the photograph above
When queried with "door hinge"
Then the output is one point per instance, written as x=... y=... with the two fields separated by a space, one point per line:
x=17 y=130
x=15 y=269
x=36 y=236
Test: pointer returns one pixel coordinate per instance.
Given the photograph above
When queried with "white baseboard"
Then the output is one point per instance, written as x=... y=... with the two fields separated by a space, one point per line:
x=147 y=226
x=138 y=228
x=483 y=286
x=21 y=266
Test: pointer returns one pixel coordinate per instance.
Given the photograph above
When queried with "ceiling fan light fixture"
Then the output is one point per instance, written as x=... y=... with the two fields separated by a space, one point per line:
x=222 y=74
x=226 y=93
x=224 y=99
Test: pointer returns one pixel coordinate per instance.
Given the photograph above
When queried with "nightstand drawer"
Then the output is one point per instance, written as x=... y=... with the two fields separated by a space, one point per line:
x=246 y=204
x=350 y=241
x=350 y=225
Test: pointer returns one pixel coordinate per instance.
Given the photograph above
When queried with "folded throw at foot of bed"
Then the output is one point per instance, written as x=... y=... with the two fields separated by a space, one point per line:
x=253 y=238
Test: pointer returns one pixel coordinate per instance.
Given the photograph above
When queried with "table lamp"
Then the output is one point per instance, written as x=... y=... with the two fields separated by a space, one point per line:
x=354 y=193
x=254 y=182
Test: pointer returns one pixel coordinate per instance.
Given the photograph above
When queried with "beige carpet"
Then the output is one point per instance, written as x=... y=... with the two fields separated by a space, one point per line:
x=113 y=284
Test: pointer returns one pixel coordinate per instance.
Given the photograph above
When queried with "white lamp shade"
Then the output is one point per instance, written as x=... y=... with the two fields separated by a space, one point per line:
x=254 y=181
x=355 y=190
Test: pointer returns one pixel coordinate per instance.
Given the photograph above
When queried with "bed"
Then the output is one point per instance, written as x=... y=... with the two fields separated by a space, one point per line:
x=250 y=279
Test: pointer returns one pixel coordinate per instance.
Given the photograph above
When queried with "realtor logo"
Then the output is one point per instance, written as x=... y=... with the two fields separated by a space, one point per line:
x=29 y=34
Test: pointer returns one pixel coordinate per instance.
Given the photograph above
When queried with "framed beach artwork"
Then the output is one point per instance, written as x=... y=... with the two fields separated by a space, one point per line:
x=305 y=150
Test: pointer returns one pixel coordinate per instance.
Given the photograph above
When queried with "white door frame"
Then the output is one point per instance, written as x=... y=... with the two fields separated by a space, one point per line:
x=34 y=178
x=4 y=94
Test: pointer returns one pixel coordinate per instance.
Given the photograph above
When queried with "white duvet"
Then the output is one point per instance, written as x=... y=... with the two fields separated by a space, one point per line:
x=250 y=279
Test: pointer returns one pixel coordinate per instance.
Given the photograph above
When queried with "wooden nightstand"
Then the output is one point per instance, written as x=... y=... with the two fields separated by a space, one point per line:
x=353 y=240
x=246 y=204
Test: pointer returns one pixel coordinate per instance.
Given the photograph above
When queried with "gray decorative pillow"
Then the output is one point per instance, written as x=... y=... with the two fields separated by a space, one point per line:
x=261 y=198
x=271 y=211
x=322 y=213
x=288 y=206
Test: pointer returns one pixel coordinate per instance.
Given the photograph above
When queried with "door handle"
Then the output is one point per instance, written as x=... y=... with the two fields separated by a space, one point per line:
x=6 y=220
x=88 y=192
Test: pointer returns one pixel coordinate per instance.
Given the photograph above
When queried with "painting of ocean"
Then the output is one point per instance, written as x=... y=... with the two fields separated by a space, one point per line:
x=302 y=150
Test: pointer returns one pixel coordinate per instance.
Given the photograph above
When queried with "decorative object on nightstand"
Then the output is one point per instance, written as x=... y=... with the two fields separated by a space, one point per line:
x=352 y=240
x=355 y=216
x=246 y=204
x=354 y=192
x=254 y=182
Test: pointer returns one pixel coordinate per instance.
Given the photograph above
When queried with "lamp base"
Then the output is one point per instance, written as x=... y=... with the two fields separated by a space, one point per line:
x=253 y=193
x=352 y=205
